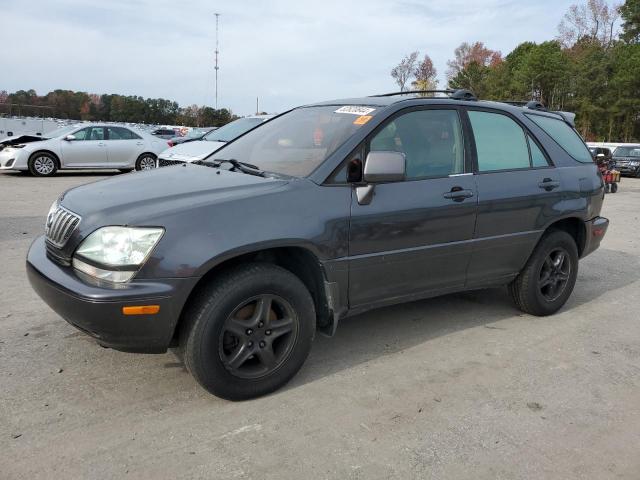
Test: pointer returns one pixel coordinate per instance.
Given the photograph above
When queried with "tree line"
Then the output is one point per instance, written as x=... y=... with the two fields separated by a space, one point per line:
x=591 y=68
x=110 y=107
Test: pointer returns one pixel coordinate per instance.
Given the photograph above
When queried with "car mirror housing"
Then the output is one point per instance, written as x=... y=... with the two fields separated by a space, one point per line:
x=70 y=138
x=382 y=167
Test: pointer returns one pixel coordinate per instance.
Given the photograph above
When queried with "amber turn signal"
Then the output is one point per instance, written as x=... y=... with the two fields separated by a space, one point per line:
x=141 y=310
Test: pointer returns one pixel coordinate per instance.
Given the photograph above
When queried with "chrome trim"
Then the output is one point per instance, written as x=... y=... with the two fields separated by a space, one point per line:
x=60 y=226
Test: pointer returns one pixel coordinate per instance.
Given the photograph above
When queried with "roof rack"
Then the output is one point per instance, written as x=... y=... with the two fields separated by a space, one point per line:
x=531 y=105
x=459 y=94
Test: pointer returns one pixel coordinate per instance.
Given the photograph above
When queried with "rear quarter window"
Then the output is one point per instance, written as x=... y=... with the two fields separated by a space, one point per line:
x=565 y=136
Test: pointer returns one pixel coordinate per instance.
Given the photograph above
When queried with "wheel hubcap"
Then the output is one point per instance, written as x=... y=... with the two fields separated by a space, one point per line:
x=43 y=165
x=554 y=275
x=258 y=336
x=147 y=163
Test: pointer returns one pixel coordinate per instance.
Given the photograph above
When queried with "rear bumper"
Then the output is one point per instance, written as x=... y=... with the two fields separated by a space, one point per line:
x=595 y=230
x=97 y=311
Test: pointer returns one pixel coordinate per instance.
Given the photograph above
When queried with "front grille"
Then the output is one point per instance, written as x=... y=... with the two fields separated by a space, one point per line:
x=167 y=163
x=60 y=225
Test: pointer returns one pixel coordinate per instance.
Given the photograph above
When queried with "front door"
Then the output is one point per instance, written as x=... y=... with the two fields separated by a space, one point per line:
x=89 y=149
x=414 y=236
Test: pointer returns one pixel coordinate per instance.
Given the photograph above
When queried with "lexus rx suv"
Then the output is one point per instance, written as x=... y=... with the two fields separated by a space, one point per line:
x=323 y=212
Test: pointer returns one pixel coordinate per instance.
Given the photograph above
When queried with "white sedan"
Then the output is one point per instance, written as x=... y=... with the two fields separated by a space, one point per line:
x=84 y=146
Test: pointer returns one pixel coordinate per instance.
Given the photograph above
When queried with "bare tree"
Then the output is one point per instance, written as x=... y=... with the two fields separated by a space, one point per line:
x=594 y=19
x=425 y=74
x=467 y=53
x=402 y=72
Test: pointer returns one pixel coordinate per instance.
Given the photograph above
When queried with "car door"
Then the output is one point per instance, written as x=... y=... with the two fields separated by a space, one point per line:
x=518 y=189
x=413 y=237
x=88 y=149
x=123 y=147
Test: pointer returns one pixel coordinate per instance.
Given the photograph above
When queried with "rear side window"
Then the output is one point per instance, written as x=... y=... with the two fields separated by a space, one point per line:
x=565 y=136
x=500 y=142
x=537 y=157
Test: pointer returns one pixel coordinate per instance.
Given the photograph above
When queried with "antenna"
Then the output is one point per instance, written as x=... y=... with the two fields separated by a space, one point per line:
x=216 y=68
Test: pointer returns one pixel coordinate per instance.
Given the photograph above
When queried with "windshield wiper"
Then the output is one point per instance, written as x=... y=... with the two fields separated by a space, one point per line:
x=240 y=166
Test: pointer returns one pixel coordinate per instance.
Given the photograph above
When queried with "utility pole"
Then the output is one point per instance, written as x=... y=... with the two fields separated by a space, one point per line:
x=257 y=109
x=216 y=68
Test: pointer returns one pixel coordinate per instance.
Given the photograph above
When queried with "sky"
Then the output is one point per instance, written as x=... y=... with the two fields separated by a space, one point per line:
x=283 y=52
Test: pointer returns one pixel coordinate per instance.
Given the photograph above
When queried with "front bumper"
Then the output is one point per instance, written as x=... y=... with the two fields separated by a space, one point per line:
x=595 y=230
x=628 y=169
x=97 y=311
x=13 y=159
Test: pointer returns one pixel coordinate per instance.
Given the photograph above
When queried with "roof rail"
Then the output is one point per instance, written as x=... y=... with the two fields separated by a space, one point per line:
x=459 y=94
x=531 y=105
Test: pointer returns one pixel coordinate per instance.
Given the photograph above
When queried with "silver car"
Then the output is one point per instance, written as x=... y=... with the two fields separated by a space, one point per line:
x=200 y=149
x=84 y=146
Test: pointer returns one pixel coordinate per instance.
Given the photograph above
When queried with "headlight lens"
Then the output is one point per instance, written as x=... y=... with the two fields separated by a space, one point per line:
x=116 y=253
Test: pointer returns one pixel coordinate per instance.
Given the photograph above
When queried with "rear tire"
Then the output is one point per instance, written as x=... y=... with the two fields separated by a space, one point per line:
x=614 y=187
x=43 y=164
x=547 y=280
x=146 y=161
x=248 y=333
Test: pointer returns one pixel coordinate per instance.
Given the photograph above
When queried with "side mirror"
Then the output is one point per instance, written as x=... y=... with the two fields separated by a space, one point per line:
x=382 y=167
x=70 y=138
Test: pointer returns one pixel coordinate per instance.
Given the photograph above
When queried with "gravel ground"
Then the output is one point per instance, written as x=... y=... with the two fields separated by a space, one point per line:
x=462 y=386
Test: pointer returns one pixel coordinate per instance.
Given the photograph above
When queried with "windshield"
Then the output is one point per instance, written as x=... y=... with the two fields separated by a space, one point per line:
x=297 y=142
x=233 y=129
x=60 y=132
x=627 y=152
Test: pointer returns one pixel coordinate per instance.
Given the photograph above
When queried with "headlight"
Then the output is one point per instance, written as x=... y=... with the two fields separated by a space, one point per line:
x=634 y=163
x=116 y=253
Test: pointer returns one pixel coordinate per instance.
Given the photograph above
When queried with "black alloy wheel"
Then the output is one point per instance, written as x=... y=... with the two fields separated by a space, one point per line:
x=258 y=336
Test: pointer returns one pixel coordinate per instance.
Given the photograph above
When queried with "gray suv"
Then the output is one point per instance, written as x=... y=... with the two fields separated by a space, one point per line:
x=323 y=212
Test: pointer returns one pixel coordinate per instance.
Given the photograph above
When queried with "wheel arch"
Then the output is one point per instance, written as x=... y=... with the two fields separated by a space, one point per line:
x=575 y=227
x=300 y=261
x=47 y=151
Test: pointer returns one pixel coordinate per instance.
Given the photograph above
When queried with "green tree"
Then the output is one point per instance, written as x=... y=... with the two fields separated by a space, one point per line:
x=630 y=13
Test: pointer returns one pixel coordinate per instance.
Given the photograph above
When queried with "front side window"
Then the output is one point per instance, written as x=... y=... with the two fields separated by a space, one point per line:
x=95 y=133
x=431 y=141
x=564 y=135
x=297 y=142
x=500 y=142
x=83 y=134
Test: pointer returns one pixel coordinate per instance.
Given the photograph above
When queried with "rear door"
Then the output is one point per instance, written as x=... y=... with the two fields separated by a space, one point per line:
x=518 y=189
x=89 y=149
x=123 y=147
x=414 y=235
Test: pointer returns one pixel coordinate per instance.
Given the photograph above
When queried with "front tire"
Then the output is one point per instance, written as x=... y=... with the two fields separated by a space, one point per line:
x=548 y=278
x=43 y=164
x=146 y=161
x=249 y=332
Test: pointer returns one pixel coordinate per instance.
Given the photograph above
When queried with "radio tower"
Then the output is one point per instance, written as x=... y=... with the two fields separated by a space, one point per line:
x=216 y=68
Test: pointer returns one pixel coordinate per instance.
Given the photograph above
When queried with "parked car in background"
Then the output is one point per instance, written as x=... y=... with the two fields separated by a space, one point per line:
x=88 y=146
x=600 y=154
x=193 y=134
x=324 y=212
x=200 y=149
x=166 y=133
x=626 y=160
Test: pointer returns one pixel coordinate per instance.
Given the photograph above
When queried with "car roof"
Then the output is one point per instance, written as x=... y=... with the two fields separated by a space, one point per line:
x=414 y=98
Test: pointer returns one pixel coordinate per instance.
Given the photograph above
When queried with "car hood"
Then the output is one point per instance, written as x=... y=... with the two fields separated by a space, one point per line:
x=21 y=139
x=633 y=159
x=191 y=151
x=143 y=198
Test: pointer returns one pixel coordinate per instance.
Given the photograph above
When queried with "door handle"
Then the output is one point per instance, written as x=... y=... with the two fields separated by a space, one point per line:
x=458 y=194
x=101 y=145
x=548 y=184
x=139 y=143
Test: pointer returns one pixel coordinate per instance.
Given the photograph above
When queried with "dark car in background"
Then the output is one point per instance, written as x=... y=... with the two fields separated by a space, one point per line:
x=323 y=212
x=627 y=160
x=166 y=133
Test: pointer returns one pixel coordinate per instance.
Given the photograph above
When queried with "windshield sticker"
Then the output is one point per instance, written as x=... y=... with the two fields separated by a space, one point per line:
x=362 y=119
x=355 y=110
